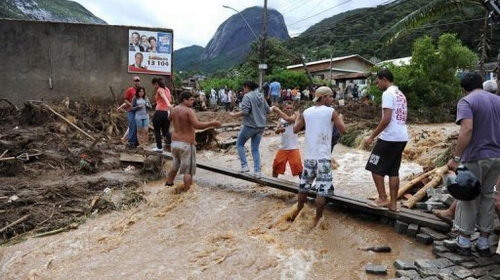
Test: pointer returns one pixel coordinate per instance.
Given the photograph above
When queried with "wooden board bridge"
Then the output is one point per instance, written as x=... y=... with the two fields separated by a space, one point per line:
x=409 y=216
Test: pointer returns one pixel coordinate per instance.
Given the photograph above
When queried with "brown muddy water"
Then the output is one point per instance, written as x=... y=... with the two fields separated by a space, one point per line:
x=223 y=228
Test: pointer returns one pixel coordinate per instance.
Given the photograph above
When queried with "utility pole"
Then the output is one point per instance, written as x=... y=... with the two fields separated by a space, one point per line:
x=262 y=64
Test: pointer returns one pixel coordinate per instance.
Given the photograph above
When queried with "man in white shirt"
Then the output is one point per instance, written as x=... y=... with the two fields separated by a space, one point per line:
x=318 y=121
x=385 y=158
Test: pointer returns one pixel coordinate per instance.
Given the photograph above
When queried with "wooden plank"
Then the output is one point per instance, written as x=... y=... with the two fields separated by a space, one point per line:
x=405 y=215
x=132 y=158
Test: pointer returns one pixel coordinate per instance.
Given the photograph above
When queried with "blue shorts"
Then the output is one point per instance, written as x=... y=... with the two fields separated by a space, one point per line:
x=142 y=123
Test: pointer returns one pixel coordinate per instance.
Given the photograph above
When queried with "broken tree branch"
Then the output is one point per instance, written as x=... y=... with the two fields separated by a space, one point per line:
x=20 y=220
x=69 y=122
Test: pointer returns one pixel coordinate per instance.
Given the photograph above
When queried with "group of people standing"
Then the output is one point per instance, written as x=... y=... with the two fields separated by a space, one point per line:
x=137 y=105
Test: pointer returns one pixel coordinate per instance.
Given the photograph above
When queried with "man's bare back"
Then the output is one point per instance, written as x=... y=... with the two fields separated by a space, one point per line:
x=182 y=120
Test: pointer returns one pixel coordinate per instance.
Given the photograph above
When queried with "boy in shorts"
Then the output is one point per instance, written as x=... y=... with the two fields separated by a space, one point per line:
x=289 y=147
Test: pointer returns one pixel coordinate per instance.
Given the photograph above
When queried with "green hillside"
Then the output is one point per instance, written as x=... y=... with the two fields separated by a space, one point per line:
x=359 y=31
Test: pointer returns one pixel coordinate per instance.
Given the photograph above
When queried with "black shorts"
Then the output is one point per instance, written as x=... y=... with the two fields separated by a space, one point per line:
x=385 y=158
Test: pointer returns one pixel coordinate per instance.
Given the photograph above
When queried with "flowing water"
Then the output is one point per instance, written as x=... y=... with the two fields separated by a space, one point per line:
x=223 y=228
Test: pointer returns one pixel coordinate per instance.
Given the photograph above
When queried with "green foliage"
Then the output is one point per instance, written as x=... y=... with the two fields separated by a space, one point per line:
x=234 y=83
x=430 y=82
x=177 y=80
x=277 y=57
x=290 y=79
x=359 y=31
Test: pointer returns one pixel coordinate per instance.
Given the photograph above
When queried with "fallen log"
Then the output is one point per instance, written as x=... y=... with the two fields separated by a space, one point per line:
x=20 y=220
x=408 y=186
x=436 y=180
x=413 y=182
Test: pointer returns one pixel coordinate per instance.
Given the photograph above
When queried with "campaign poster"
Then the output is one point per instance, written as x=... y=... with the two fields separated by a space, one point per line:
x=149 y=52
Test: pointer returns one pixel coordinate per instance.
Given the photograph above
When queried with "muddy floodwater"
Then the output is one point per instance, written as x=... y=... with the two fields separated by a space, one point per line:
x=223 y=228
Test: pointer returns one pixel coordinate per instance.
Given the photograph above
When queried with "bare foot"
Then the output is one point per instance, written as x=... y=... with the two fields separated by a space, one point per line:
x=394 y=209
x=379 y=203
x=293 y=216
x=315 y=221
x=443 y=215
x=180 y=189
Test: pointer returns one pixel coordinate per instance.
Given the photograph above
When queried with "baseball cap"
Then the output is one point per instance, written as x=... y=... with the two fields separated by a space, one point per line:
x=464 y=185
x=137 y=78
x=322 y=91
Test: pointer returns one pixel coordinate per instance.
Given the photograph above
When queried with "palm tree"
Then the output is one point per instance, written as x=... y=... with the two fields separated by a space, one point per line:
x=430 y=11
x=436 y=8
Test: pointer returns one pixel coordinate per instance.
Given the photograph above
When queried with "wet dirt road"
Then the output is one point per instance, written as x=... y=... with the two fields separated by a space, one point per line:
x=223 y=228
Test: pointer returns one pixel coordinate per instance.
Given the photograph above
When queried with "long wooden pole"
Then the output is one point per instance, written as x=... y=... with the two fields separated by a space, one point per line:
x=412 y=183
x=436 y=179
x=69 y=122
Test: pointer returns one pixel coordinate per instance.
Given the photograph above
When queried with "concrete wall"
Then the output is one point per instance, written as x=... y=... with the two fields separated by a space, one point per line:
x=82 y=61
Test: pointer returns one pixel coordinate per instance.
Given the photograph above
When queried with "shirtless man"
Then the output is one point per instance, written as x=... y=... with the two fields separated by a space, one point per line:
x=183 y=147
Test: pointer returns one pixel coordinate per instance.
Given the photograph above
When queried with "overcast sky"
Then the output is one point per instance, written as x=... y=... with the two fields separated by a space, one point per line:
x=195 y=21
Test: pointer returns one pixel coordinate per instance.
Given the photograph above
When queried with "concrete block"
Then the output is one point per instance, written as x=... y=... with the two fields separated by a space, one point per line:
x=412 y=274
x=404 y=265
x=462 y=273
x=376 y=269
x=412 y=230
x=400 y=227
x=424 y=238
x=434 y=234
x=441 y=263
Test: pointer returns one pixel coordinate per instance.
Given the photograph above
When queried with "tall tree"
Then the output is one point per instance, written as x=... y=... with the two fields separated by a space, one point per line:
x=434 y=9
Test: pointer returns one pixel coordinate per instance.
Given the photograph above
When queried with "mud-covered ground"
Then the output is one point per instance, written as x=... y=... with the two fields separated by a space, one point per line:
x=53 y=176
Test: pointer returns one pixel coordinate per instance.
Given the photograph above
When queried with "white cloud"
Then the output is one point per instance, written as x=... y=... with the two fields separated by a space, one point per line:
x=195 y=21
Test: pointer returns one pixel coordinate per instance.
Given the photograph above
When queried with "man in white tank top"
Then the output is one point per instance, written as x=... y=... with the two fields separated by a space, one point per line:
x=318 y=122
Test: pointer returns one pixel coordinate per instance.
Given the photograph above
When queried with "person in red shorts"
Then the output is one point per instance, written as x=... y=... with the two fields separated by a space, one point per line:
x=289 y=147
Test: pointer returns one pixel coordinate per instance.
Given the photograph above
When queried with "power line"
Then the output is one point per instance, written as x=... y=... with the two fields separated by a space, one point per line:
x=347 y=1
x=416 y=28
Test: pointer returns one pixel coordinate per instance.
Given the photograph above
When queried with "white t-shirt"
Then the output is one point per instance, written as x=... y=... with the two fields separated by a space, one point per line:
x=289 y=139
x=319 y=127
x=394 y=99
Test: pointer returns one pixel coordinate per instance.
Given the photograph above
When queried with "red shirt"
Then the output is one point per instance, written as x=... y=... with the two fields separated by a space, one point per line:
x=129 y=96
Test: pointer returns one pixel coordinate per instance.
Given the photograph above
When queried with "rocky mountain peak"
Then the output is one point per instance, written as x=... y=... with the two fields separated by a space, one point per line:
x=233 y=37
x=54 y=10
